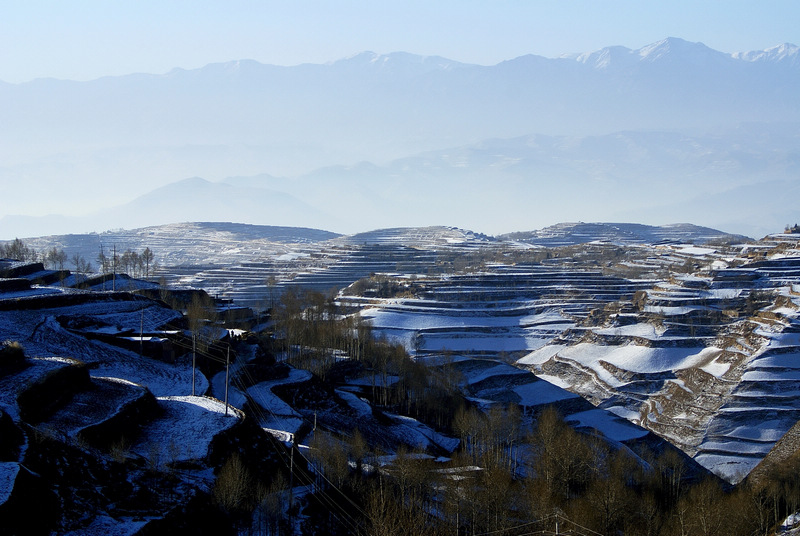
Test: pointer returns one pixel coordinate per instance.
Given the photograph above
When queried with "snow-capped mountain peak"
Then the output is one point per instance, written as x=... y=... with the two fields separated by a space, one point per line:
x=396 y=61
x=606 y=57
x=673 y=47
x=779 y=53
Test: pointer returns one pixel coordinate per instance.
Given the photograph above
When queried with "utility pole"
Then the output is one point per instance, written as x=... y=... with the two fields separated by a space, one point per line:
x=457 y=511
x=141 y=335
x=227 y=367
x=194 y=357
x=101 y=258
x=291 y=477
x=114 y=269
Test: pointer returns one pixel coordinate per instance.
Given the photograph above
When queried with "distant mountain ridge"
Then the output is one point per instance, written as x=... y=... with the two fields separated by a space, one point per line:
x=647 y=177
x=141 y=132
x=565 y=234
x=785 y=52
x=225 y=243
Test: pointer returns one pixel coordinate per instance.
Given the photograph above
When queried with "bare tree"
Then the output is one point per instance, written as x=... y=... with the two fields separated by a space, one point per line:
x=233 y=487
x=147 y=257
x=18 y=250
x=55 y=258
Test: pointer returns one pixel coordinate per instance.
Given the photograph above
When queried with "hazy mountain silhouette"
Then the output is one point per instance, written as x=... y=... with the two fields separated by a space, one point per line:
x=114 y=139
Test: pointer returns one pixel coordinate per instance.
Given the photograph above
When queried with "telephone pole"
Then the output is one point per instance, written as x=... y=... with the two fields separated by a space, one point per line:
x=227 y=367
x=114 y=269
x=194 y=357
x=141 y=335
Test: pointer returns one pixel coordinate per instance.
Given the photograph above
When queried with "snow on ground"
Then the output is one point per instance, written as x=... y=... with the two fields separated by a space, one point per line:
x=272 y=403
x=731 y=467
x=737 y=447
x=11 y=385
x=278 y=415
x=433 y=318
x=90 y=406
x=29 y=293
x=479 y=370
x=415 y=433
x=108 y=526
x=236 y=397
x=541 y=392
x=359 y=405
x=723 y=293
x=789 y=523
x=541 y=355
x=558 y=381
x=642 y=330
x=634 y=358
x=140 y=315
x=613 y=427
x=185 y=430
x=696 y=251
x=783 y=360
x=777 y=375
x=438 y=328
x=672 y=311
x=530 y=389
x=716 y=368
x=130 y=315
x=41 y=335
x=474 y=342
x=162 y=379
x=8 y=475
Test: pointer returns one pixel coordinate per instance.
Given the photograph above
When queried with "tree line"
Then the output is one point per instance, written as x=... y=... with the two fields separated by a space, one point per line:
x=130 y=262
x=133 y=263
x=555 y=475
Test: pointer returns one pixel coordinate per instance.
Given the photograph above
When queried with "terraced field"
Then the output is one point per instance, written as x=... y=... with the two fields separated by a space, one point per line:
x=696 y=342
x=709 y=364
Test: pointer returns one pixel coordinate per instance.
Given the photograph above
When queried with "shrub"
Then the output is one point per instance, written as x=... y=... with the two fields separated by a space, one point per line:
x=11 y=355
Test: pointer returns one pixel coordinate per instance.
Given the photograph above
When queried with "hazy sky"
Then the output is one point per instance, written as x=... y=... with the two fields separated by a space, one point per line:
x=86 y=39
x=41 y=163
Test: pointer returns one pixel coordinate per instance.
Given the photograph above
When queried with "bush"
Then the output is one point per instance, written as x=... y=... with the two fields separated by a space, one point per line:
x=11 y=355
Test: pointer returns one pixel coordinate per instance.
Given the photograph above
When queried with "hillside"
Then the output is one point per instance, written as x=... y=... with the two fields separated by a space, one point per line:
x=236 y=261
x=101 y=426
x=570 y=234
x=639 y=339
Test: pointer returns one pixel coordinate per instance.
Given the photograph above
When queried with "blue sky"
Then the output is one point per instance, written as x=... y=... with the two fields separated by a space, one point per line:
x=86 y=39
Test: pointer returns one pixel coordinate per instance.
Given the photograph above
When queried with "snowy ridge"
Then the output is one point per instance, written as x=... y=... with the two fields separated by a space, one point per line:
x=620 y=233
x=676 y=49
x=415 y=237
x=785 y=52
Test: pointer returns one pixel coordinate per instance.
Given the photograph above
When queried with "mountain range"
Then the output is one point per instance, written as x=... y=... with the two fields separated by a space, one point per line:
x=674 y=131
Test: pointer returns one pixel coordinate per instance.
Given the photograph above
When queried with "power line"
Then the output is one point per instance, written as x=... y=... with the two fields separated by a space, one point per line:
x=344 y=517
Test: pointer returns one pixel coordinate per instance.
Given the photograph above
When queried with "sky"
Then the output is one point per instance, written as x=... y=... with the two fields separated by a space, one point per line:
x=88 y=39
x=85 y=40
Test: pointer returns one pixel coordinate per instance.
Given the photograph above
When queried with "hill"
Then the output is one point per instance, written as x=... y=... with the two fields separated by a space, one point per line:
x=568 y=234
x=446 y=362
